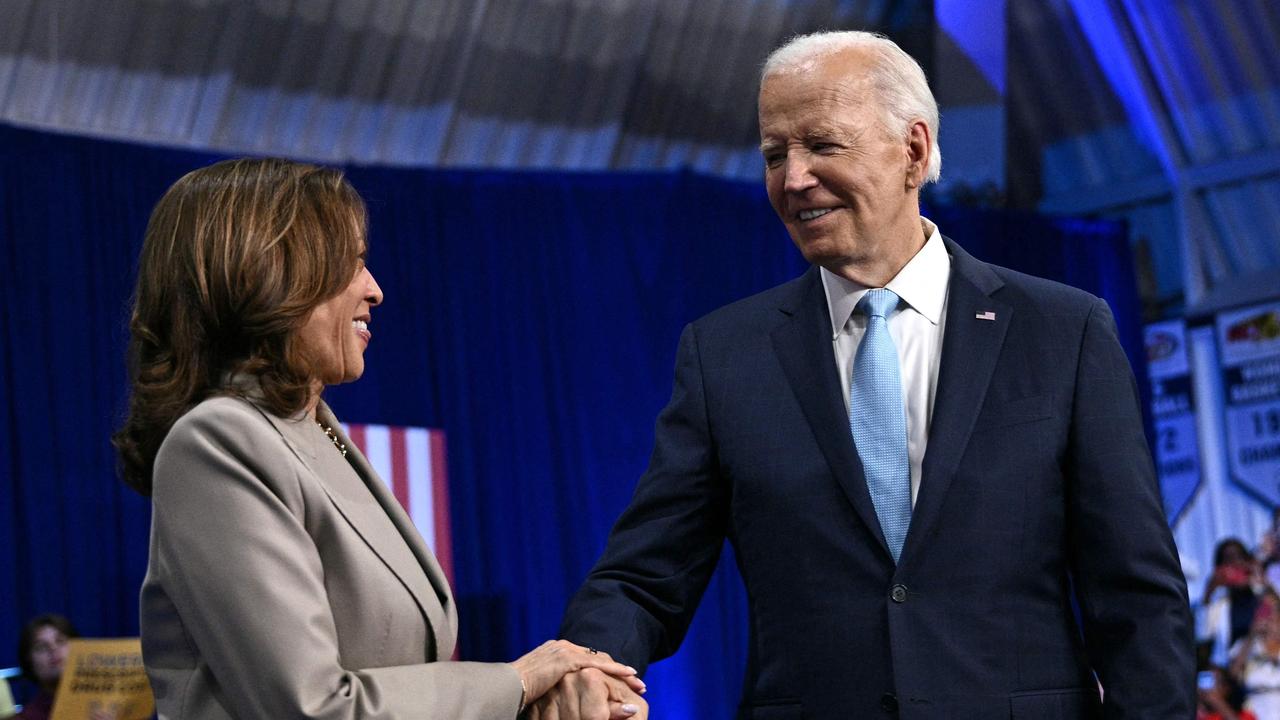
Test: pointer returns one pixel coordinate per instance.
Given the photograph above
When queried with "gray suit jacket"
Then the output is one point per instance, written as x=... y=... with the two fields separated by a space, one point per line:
x=286 y=582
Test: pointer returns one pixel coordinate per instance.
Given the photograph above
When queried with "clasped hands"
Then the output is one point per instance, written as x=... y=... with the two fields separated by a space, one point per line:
x=564 y=681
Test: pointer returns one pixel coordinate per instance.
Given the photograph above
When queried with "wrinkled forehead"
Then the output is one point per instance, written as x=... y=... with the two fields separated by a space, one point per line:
x=793 y=101
x=791 y=93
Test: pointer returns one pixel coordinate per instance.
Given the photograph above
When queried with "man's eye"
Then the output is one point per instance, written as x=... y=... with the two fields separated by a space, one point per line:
x=822 y=147
x=773 y=160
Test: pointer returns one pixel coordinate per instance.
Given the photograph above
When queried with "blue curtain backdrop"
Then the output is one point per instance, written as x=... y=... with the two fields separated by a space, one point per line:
x=532 y=316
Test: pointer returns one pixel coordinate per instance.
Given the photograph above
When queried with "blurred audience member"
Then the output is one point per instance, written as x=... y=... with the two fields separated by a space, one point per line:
x=42 y=652
x=1269 y=551
x=1255 y=660
x=1217 y=699
x=1230 y=598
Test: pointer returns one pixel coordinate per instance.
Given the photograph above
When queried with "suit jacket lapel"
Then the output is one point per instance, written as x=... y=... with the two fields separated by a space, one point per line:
x=430 y=590
x=803 y=347
x=440 y=609
x=970 y=348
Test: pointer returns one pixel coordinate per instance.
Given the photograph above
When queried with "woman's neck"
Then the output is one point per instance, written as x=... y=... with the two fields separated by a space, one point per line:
x=313 y=400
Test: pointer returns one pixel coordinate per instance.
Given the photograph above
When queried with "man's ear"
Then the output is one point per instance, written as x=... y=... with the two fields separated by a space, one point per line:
x=918 y=148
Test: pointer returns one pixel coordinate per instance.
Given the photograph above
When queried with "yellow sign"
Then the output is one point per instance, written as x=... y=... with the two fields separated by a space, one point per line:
x=104 y=678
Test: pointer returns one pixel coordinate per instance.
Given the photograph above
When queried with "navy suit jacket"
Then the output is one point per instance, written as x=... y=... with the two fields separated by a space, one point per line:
x=1037 y=497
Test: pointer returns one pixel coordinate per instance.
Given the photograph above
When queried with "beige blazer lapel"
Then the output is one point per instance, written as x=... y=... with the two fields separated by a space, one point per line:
x=442 y=614
x=424 y=579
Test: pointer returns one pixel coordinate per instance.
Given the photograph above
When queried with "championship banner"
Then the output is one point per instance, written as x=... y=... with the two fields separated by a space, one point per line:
x=1173 y=412
x=411 y=461
x=1249 y=343
x=104 y=675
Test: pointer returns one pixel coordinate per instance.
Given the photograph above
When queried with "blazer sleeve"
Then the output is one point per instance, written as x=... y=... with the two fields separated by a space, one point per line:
x=638 y=601
x=1133 y=596
x=246 y=582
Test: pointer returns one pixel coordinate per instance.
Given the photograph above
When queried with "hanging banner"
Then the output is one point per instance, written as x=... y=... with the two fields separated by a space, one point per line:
x=1177 y=453
x=1249 y=343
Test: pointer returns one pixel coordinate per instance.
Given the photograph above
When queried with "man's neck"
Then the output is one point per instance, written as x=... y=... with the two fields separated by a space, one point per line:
x=904 y=240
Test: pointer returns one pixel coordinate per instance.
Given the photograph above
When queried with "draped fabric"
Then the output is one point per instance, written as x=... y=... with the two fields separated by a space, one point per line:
x=1113 y=106
x=581 y=84
x=1169 y=119
x=532 y=316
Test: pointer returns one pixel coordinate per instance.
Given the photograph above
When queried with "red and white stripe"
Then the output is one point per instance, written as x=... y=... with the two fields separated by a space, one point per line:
x=411 y=461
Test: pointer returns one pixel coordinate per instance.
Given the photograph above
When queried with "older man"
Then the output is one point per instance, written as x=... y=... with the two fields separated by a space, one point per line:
x=933 y=470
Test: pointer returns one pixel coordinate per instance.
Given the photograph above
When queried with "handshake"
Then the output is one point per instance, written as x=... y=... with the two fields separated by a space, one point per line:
x=564 y=681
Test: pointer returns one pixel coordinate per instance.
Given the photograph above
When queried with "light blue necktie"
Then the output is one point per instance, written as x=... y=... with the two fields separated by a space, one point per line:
x=878 y=419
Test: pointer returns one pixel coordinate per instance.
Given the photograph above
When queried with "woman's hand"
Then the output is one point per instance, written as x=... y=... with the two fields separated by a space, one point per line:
x=543 y=667
x=589 y=695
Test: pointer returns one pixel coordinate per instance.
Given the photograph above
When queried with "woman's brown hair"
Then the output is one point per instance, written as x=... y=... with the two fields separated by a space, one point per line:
x=235 y=257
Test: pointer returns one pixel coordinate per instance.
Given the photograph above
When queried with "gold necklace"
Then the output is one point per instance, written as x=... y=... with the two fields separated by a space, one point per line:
x=333 y=438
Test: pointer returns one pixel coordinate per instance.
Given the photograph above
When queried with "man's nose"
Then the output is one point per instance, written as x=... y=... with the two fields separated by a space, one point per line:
x=799 y=173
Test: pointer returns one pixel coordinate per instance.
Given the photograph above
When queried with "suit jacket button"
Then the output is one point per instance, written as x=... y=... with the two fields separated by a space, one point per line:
x=889 y=703
x=899 y=593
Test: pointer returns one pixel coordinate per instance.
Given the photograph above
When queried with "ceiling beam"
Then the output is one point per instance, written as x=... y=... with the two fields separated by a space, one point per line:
x=1196 y=178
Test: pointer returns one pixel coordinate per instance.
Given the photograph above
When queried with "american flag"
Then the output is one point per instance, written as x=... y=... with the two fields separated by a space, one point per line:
x=411 y=461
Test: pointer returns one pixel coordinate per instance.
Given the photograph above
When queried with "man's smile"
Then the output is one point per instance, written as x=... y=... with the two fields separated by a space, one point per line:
x=812 y=213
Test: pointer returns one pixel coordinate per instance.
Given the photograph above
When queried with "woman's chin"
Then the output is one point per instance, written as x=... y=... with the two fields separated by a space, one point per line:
x=352 y=373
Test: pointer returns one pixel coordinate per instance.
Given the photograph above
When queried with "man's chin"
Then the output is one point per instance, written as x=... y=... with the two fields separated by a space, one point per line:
x=820 y=250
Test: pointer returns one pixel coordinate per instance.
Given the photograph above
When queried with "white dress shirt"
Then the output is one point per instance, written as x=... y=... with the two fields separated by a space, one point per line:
x=916 y=327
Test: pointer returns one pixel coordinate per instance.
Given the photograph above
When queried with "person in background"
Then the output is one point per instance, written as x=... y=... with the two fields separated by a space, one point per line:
x=1255 y=659
x=1216 y=697
x=42 y=653
x=1230 y=598
x=284 y=580
x=1268 y=553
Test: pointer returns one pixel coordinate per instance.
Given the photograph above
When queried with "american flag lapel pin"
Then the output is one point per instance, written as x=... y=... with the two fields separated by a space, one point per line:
x=988 y=315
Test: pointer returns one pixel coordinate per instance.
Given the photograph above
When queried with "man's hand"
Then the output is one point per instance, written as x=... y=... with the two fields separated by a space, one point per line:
x=589 y=694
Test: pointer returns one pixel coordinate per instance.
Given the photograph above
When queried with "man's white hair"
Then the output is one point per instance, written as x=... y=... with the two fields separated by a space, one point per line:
x=895 y=76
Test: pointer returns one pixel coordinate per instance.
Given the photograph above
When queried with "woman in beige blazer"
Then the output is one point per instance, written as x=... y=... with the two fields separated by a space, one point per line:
x=284 y=580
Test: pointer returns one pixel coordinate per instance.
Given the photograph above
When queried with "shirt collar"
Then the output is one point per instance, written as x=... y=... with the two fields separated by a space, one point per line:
x=921 y=283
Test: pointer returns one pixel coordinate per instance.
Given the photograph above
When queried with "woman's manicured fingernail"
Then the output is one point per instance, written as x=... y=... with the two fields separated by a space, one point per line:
x=632 y=670
x=630 y=709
